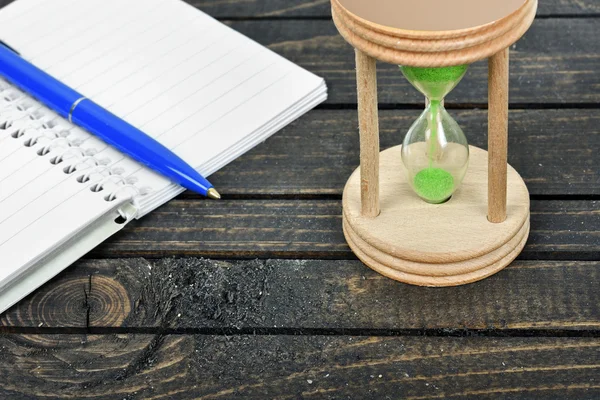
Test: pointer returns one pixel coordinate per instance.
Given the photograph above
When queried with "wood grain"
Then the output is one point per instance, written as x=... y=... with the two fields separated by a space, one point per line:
x=189 y=295
x=368 y=123
x=313 y=229
x=497 y=135
x=554 y=63
x=553 y=66
x=553 y=150
x=129 y=366
x=321 y=8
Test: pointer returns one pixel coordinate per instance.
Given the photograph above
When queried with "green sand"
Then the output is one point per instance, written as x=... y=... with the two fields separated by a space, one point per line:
x=435 y=83
x=434 y=106
x=434 y=184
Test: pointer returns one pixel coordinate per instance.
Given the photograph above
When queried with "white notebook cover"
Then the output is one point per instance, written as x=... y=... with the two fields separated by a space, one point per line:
x=200 y=88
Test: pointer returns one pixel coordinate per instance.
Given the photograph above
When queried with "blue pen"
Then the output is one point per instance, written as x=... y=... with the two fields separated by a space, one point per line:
x=83 y=112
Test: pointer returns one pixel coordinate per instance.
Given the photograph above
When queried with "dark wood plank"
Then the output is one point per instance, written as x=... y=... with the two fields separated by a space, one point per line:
x=554 y=151
x=321 y=8
x=286 y=367
x=301 y=296
x=313 y=229
x=554 y=63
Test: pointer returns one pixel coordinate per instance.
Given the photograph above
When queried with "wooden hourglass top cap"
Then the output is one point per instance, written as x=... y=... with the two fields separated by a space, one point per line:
x=422 y=18
x=429 y=33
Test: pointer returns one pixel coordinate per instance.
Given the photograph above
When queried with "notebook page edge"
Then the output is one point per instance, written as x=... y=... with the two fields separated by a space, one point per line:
x=60 y=259
x=16 y=273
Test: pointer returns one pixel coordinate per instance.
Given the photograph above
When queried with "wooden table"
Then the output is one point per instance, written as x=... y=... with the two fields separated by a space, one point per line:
x=258 y=296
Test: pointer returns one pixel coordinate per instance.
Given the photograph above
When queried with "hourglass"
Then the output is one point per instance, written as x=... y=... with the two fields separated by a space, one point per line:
x=435 y=150
x=434 y=211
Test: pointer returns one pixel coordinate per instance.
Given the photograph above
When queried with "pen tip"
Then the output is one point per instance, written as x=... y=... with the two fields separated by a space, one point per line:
x=213 y=194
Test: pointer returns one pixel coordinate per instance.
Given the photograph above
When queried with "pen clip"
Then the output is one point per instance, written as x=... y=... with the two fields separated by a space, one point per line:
x=3 y=43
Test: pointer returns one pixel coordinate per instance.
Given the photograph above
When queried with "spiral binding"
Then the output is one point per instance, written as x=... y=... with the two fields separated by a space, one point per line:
x=23 y=118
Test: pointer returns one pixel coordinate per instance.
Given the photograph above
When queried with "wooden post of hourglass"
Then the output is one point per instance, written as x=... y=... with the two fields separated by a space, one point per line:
x=497 y=135
x=368 y=121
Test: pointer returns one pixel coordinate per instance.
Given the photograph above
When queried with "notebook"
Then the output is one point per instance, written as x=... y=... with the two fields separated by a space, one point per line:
x=197 y=86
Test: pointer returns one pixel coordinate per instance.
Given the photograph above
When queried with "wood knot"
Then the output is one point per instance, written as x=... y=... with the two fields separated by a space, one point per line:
x=79 y=302
x=108 y=303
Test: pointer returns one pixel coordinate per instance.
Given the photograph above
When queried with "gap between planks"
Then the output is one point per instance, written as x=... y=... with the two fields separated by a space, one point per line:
x=296 y=331
x=233 y=18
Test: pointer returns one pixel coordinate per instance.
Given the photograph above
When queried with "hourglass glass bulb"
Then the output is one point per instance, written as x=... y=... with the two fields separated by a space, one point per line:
x=435 y=151
x=434 y=83
x=436 y=154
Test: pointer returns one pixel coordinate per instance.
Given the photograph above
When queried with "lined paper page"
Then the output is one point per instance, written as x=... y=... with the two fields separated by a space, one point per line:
x=172 y=71
x=197 y=86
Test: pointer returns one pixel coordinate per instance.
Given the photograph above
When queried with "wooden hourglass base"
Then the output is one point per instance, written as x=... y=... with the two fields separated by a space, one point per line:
x=436 y=244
